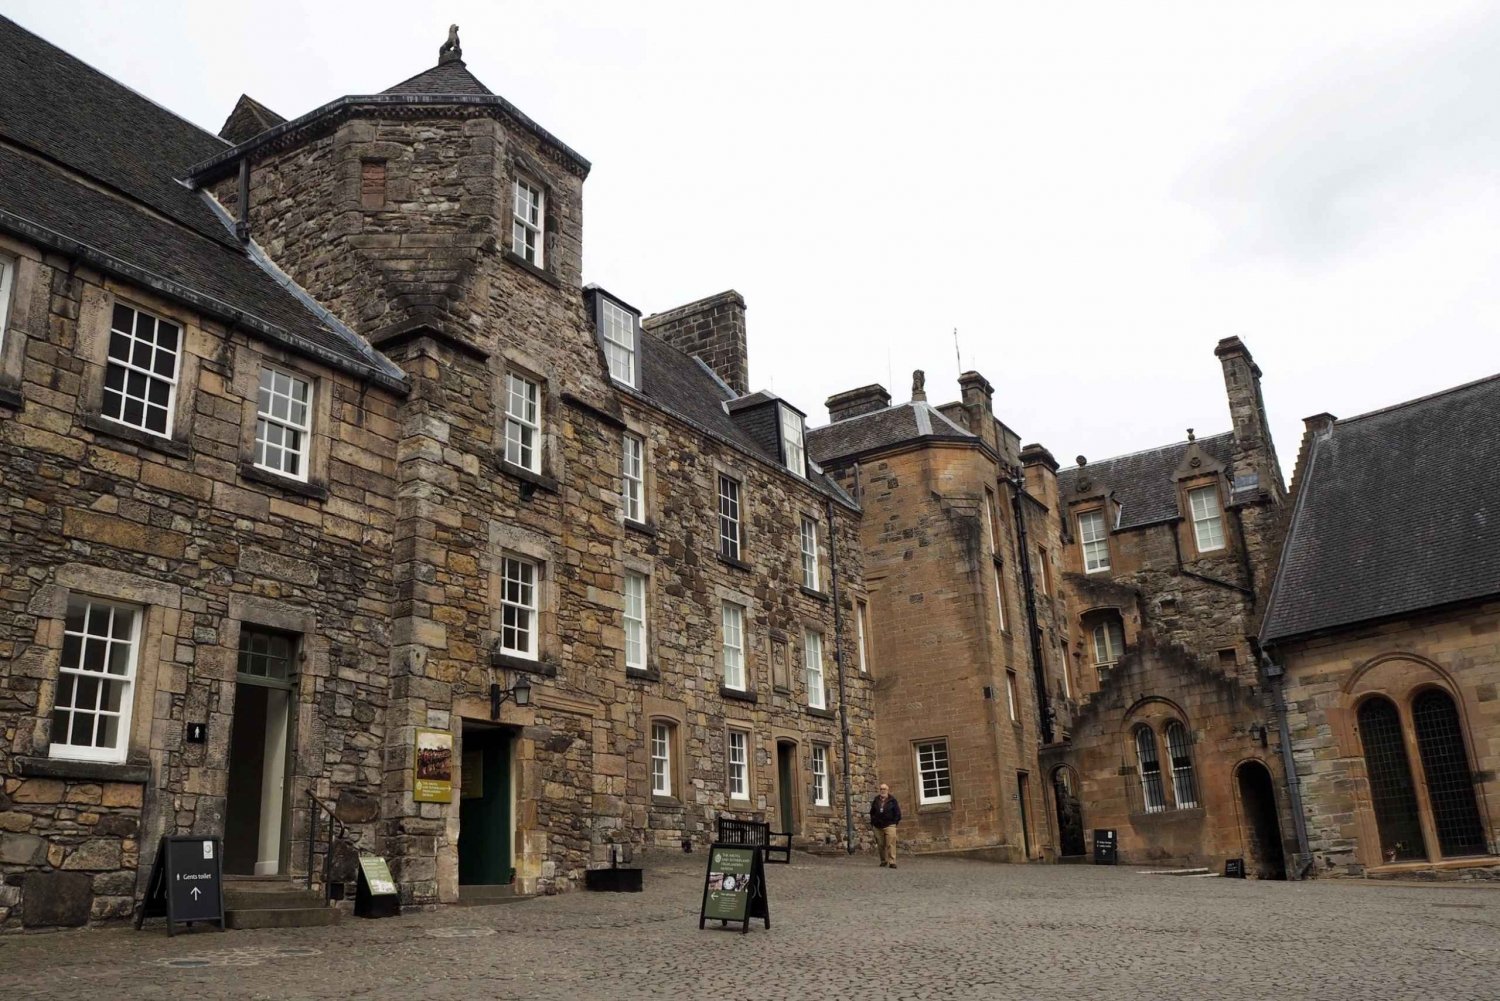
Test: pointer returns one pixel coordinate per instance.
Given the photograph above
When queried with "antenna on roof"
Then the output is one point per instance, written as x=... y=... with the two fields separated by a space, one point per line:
x=956 y=356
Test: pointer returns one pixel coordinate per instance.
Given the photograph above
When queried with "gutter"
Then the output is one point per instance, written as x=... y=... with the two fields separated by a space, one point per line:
x=1275 y=676
x=838 y=662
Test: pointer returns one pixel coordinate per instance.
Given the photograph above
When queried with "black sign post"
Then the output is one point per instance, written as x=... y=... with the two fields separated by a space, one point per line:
x=186 y=884
x=1234 y=868
x=1106 y=846
x=734 y=886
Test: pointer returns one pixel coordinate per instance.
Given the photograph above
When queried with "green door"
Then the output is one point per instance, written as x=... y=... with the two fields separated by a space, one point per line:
x=484 y=821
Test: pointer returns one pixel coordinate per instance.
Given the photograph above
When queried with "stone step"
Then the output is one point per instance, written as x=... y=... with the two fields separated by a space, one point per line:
x=277 y=899
x=1177 y=872
x=281 y=917
x=480 y=895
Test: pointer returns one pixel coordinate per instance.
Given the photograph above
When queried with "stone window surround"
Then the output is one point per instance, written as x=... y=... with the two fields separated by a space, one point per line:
x=521 y=167
x=863 y=641
x=248 y=361
x=94 y=319
x=750 y=783
x=811 y=513
x=549 y=470
x=812 y=798
x=1185 y=488
x=17 y=315
x=646 y=569
x=660 y=710
x=641 y=430
x=811 y=625
x=1401 y=676
x=516 y=541
x=675 y=778
x=160 y=609
x=937 y=804
x=1153 y=715
x=749 y=642
x=737 y=474
x=1077 y=518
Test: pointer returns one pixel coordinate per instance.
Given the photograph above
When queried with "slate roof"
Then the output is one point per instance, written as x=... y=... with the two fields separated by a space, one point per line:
x=681 y=385
x=1142 y=482
x=1398 y=510
x=98 y=181
x=880 y=429
x=444 y=78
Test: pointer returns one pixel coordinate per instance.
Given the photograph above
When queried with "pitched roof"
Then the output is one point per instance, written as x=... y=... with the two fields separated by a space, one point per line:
x=90 y=170
x=881 y=429
x=1399 y=510
x=450 y=77
x=682 y=385
x=248 y=119
x=1142 y=482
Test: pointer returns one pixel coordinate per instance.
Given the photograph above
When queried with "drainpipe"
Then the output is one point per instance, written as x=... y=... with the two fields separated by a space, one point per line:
x=1039 y=679
x=1275 y=674
x=838 y=663
x=242 y=227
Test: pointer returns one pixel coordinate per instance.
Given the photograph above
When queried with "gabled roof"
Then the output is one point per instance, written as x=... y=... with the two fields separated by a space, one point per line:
x=88 y=168
x=1143 y=482
x=682 y=385
x=248 y=119
x=1398 y=511
x=451 y=77
x=880 y=429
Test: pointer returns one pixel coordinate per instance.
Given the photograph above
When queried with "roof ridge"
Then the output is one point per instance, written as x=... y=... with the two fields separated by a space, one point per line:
x=1143 y=451
x=1420 y=399
x=118 y=83
x=855 y=417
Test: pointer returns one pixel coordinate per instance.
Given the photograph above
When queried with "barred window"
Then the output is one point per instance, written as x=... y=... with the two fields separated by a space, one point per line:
x=1094 y=539
x=1180 y=749
x=529 y=215
x=522 y=423
x=1450 y=782
x=518 y=607
x=934 y=782
x=810 y=554
x=1208 y=524
x=733 y=622
x=283 y=421
x=1153 y=794
x=635 y=620
x=812 y=652
x=1393 y=794
x=820 y=775
x=140 y=378
x=729 y=518
x=95 y=681
x=633 y=474
x=738 y=764
x=661 y=759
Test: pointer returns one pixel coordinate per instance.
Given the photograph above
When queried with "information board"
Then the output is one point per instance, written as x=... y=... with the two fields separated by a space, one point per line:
x=1106 y=846
x=376 y=896
x=1234 y=868
x=186 y=885
x=734 y=886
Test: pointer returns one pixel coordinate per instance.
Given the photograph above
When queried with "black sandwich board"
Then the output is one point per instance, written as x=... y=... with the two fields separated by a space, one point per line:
x=186 y=884
x=1106 y=846
x=376 y=895
x=1234 y=868
x=734 y=886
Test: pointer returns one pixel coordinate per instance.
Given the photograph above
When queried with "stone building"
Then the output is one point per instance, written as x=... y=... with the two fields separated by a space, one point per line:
x=1167 y=565
x=1390 y=660
x=313 y=449
x=962 y=625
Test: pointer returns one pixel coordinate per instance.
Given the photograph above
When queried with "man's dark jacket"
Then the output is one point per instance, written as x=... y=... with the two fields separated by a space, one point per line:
x=885 y=816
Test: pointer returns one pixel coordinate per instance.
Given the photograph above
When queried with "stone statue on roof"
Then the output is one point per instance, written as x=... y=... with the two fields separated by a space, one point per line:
x=451 y=50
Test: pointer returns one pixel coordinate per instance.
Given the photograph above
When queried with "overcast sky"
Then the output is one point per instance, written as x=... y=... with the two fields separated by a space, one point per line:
x=1092 y=194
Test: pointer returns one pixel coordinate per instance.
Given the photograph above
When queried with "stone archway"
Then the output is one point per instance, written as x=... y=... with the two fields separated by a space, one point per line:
x=1069 y=812
x=1267 y=858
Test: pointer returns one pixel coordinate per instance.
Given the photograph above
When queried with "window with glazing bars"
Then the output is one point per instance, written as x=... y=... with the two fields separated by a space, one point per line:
x=738 y=761
x=791 y=441
x=523 y=423
x=820 y=775
x=1208 y=524
x=729 y=518
x=812 y=652
x=1153 y=795
x=617 y=326
x=140 y=377
x=518 y=607
x=661 y=759
x=95 y=681
x=1180 y=750
x=733 y=625
x=934 y=783
x=1109 y=643
x=283 y=420
x=7 y=279
x=1094 y=540
x=635 y=620
x=529 y=215
x=810 y=554
x=633 y=474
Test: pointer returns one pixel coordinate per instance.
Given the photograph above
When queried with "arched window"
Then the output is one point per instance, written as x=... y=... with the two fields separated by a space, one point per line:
x=1450 y=784
x=1391 y=790
x=1152 y=793
x=1180 y=750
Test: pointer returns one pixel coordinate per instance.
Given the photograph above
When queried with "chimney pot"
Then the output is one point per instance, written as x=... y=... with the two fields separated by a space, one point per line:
x=854 y=402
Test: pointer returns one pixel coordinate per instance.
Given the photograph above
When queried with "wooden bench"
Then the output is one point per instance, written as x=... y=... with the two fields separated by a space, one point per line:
x=775 y=846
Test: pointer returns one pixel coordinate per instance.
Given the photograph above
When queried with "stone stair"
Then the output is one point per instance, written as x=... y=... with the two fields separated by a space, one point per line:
x=274 y=903
x=481 y=895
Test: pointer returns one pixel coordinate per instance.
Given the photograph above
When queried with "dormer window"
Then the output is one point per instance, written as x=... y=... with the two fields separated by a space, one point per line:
x=617 y=332
x=791 y=441
x=1208 y=526
x=529 y=215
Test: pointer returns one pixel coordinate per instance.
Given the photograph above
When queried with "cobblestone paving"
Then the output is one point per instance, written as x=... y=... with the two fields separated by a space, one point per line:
x=841 y=928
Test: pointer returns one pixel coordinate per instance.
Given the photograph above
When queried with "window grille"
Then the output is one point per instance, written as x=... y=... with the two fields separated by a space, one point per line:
x=1153 y=794
x=1180 y=749
x=1450 y=783
x=1392 y=793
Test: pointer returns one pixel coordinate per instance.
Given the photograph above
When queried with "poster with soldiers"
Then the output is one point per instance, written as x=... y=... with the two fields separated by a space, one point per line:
x=434 y=763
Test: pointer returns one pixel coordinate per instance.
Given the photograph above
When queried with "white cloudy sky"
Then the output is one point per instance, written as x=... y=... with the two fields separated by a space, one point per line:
x=1092 y=193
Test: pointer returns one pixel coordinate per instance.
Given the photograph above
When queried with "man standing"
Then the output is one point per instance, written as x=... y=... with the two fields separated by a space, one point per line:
x=885 y=814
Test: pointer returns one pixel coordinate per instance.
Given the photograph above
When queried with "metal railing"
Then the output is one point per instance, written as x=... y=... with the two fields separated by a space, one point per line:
x=312 y=843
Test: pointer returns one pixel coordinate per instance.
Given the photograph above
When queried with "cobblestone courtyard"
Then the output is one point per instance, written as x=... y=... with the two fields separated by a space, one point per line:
x=935 y=928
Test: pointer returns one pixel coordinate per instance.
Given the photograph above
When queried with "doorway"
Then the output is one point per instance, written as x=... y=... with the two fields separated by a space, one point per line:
x=256 y=810
x=1069 y=813
x=1023 y=794
x=1258 y=802
x=486 y=808
x=786 y=785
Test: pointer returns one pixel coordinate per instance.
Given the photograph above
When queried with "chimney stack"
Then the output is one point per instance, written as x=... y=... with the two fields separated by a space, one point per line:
x=979 y=406
x=1254 y=451
x=711 y=329
x=854 y=402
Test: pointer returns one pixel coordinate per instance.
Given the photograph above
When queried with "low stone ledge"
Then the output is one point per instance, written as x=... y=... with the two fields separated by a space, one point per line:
x=85 y=771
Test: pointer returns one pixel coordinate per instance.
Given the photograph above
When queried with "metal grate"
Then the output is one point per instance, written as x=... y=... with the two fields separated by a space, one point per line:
x=1152 y=790
x=1450 y=784
x=1391 y=789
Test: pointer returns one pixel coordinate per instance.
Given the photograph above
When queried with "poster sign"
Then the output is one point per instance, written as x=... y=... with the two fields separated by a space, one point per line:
x=434 y=764
x=376 y=896
x=1106 y=846
x=734 y=887
x=1234 y=868
x=186 y=883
